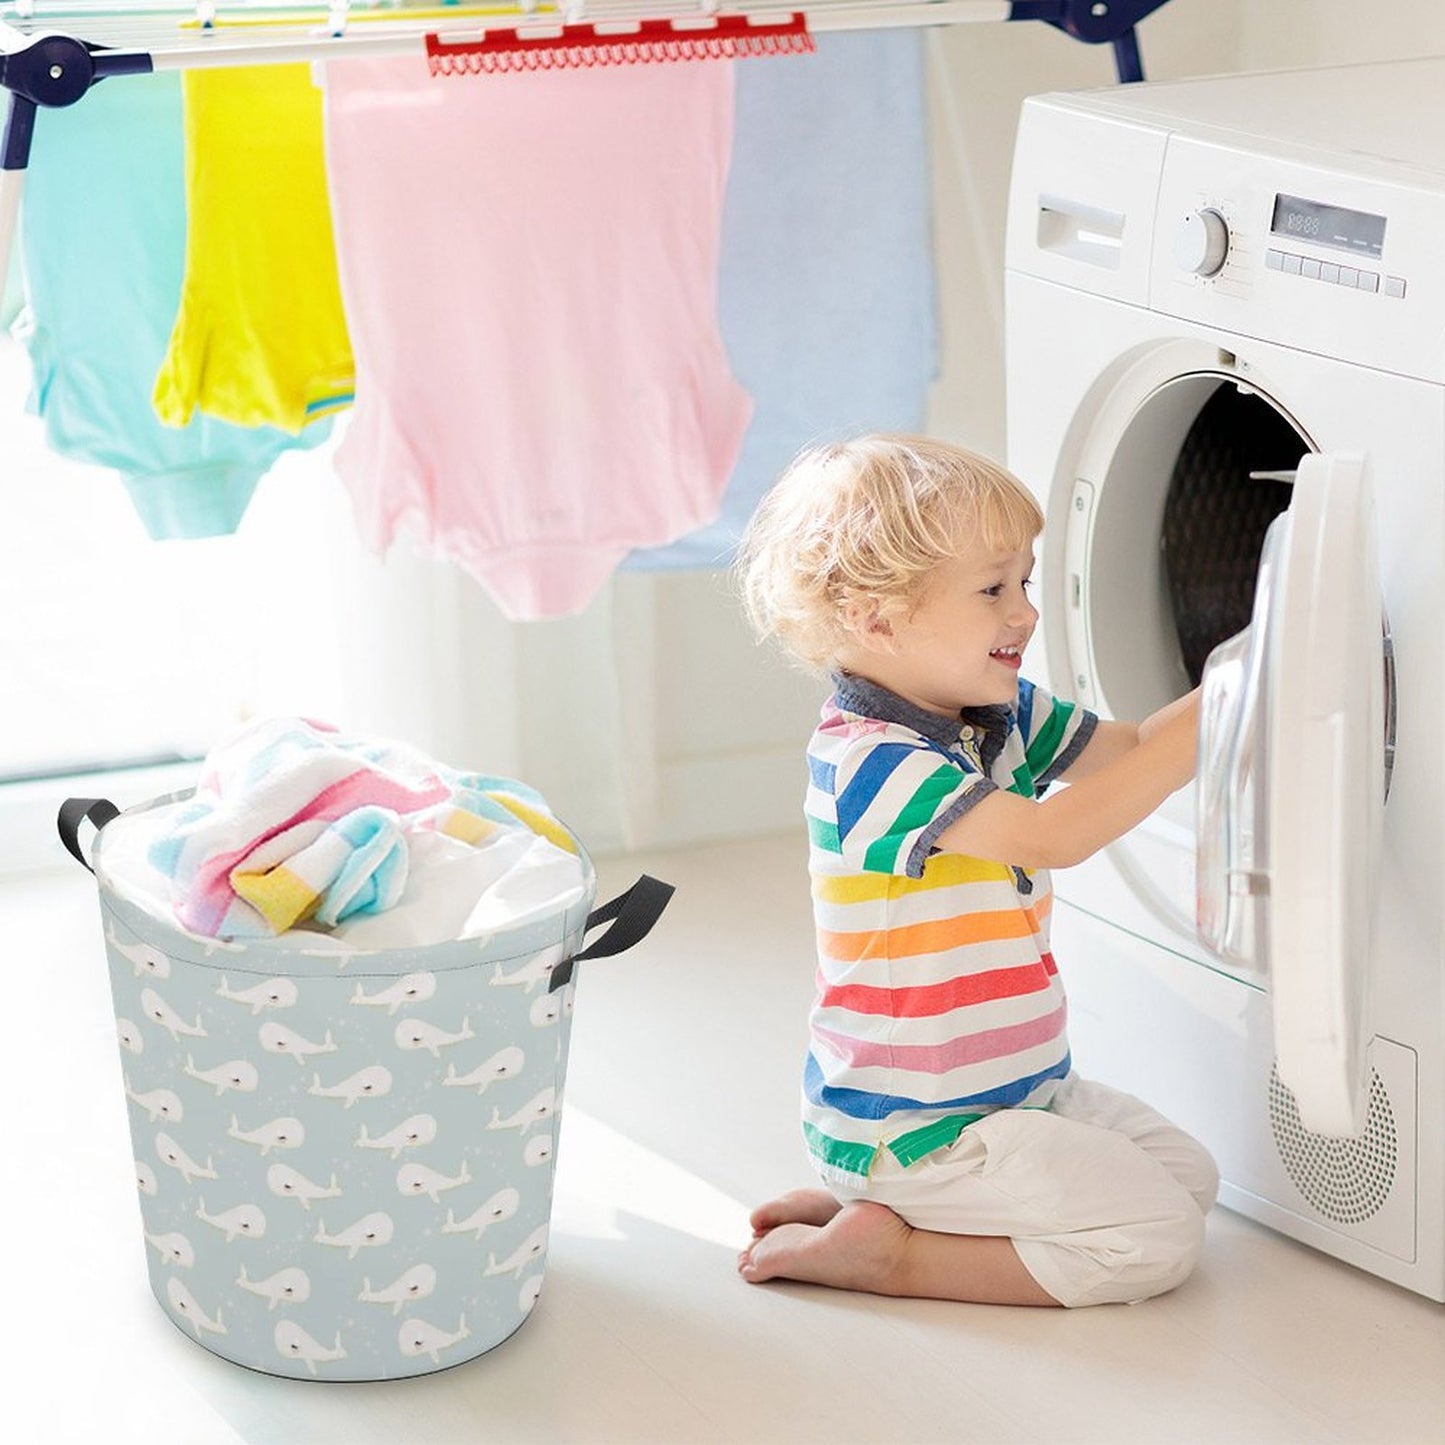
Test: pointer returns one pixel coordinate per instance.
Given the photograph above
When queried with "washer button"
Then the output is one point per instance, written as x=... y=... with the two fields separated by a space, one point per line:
x=1291 y=264
x=1274 y=260
x=1369 y=281
x=1394 y=285
x=1310 y=267
x=1349 y=276
x=1330 y=272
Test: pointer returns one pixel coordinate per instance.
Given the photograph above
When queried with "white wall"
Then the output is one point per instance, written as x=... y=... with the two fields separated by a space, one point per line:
x=979 y=76
x=1285 y=34
x=654 y=718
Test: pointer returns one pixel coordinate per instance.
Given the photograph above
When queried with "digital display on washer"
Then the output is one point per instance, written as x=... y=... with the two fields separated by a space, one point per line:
x=1355 y=231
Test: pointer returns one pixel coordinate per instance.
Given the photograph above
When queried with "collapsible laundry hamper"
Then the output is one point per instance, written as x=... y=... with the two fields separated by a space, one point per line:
x=345 y=1160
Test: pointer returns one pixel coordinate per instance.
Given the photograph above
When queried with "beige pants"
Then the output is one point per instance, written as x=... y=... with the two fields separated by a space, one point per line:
x=1103 y=1197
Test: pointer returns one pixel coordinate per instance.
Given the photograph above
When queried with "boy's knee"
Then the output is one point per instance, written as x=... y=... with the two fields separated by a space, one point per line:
x=1203 y=1181
x=1181 y=1248
x=1163 y=1253
x=1171 y=1249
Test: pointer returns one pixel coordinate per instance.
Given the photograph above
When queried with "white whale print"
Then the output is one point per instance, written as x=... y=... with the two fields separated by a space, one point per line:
x=129 y=1035
x=171 y=1153
x=411 y=1133
x=503 y=1064
x=413 y=1284
x=527 y=1295
x=545 y=1011
x=409 y=988
x=271 y=993
x=502 y=1205
x=145 y=1178
x=284 y=1133
x=291 y=1286
x=368 y=1231
x=417 y=1337
x=143 y=957
x=290 y=1183
x=417 y=1179
x=238 y=1074
x=240 y=1221
x=418 y=1034
x=158 y=1103
x=530 y=1248
x=278 y=1039
x=184 y=1303
x=533 y=974
x=173 y=1249
x=538 y=1151
x=295 y=1344
x=368 y=1083
x=538 y=1108
x=160 y=1012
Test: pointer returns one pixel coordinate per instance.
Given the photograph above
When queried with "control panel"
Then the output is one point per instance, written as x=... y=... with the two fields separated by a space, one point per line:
x=1278 y=244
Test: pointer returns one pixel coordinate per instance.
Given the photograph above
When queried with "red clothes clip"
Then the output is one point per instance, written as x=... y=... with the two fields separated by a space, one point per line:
x=730 y=37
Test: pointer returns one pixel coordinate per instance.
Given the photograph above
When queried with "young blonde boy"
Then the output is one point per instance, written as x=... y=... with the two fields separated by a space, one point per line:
x=963 y=1156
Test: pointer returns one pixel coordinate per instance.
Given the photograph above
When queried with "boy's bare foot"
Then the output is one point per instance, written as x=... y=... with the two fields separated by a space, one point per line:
x=857 y=1246
x=798 y=1206
x=807 y=1235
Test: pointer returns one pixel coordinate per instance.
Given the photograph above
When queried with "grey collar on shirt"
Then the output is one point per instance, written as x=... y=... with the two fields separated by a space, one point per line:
x=868 y=699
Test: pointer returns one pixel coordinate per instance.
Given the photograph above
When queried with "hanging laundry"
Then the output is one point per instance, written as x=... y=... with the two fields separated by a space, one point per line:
x=529 y=265
x=260 y=339
x=826 y=288
x=102 y=236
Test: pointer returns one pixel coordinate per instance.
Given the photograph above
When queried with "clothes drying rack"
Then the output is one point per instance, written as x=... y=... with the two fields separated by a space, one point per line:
x=51 y=54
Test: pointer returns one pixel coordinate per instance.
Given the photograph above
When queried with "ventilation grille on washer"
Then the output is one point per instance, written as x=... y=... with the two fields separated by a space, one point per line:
x=1346 y=1180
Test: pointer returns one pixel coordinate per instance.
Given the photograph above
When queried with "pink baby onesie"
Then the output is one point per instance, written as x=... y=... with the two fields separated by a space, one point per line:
x=529 y=267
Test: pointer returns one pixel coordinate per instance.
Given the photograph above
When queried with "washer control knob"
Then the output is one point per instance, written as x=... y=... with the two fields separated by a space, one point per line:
x=1201 y=242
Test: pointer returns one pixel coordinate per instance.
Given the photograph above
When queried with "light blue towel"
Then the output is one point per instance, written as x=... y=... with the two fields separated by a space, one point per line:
x=826 y=286
x=102 y=238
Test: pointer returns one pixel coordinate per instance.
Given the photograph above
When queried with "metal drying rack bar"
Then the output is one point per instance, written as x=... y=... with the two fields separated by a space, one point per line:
x=45 y=62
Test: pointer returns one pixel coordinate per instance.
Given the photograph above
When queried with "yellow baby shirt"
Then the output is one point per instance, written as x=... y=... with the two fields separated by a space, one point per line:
x=260 y=337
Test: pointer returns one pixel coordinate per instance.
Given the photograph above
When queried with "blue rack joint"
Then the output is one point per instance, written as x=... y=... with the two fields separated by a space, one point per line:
x=54 y=71
x=1096 y=22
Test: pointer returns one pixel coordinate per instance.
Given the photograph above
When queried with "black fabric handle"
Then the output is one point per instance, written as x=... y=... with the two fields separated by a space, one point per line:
x=635 y=912
x=74 y=812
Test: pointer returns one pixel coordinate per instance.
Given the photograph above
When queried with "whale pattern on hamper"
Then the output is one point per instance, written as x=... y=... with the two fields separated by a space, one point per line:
x=344 y=1160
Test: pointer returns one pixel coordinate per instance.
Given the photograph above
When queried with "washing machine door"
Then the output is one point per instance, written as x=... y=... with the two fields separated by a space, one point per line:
x=1291 y=787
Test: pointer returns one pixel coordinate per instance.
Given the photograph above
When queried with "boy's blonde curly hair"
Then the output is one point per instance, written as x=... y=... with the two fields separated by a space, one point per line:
x=853 y=530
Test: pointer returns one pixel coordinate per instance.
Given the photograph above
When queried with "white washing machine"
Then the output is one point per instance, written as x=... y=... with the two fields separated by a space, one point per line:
x=1226 y=383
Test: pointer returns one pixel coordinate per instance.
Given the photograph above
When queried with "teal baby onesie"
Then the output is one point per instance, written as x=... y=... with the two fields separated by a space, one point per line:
x=102 y=237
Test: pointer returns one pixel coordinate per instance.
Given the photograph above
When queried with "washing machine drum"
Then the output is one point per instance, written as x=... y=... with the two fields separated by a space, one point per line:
x=1228 y=484
x=1163 y=537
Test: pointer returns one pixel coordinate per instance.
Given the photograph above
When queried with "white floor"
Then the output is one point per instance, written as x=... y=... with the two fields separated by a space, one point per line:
x=680 y=1114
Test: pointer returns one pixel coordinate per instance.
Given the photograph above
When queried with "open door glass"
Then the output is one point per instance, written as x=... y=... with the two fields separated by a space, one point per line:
x=1292 y=784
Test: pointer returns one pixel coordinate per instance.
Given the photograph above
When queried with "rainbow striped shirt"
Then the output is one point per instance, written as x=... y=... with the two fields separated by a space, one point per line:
x=938 y=1000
